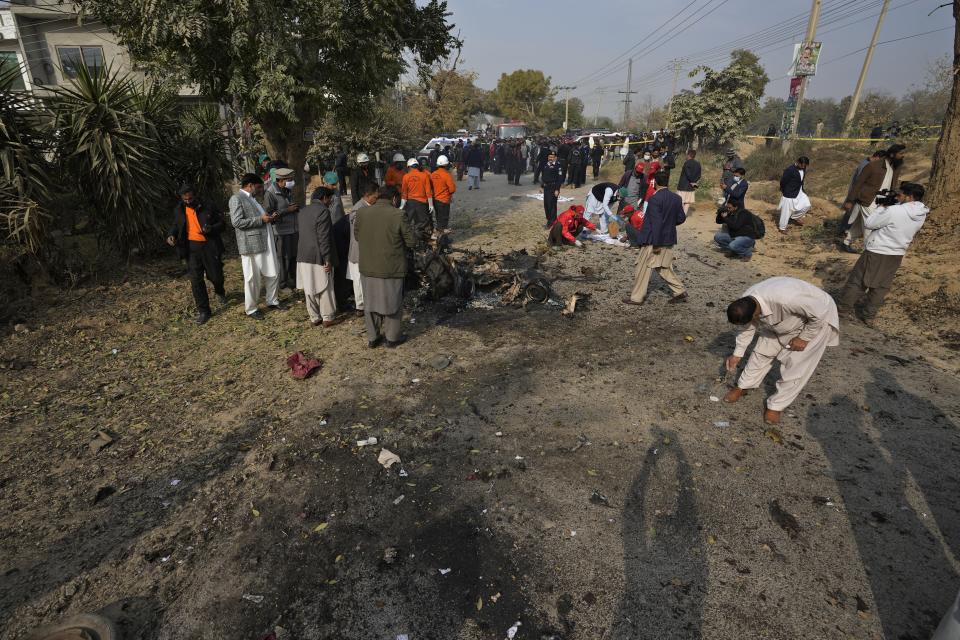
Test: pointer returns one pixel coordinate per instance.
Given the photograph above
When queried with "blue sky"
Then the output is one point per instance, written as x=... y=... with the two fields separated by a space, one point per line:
x=586 y=42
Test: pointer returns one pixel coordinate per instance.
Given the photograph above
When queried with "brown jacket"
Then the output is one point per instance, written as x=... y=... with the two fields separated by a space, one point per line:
x=868 y=183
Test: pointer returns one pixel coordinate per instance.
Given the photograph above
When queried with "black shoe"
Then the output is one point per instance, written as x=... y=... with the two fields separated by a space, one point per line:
x=393 y=344
x=256 y=315
x=202 y=317
x=680 y=298
x=280 y=306
x=848 y=248
x=373 y=344
x=222 y=298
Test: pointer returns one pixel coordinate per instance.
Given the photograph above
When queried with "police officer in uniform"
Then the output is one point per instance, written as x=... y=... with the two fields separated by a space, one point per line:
x=552 y=180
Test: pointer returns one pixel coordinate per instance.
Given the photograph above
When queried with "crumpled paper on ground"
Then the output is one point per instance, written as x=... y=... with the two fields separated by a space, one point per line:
x=301 y=366
x=388 y=458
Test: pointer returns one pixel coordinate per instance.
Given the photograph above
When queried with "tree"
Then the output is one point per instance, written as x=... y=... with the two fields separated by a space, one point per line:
x=523 y=94
x=555 y=110
x=444 y=98
x=289 y=64
x=945 y=176
x=723 y=102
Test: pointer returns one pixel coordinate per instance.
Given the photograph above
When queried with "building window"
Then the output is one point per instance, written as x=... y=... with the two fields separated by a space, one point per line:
x=9 y=60
x=71 y=58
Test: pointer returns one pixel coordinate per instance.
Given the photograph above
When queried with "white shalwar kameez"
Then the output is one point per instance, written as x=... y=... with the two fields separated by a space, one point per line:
x=261 y=265
x=602 y=209
x=794 y=208
x=789 y=308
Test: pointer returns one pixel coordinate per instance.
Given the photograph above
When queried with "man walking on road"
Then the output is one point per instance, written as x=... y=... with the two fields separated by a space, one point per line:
x=891 y=231
x=794 y=322
x=552 y=179
x=656 y=238
x=596 y=156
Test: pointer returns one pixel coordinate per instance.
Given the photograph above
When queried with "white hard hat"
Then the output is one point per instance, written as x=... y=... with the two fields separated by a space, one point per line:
x=443 y=161
x=412 y=162
x=362 y=157
x=398 y=157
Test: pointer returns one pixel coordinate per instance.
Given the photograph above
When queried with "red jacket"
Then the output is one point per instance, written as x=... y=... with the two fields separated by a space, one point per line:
x=633 y=216
x=571 y=220
x=648 y=174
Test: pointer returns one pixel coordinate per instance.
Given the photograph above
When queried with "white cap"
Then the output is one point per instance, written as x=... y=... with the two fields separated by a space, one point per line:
x=412 y=162
x=398 y=157
x=362 y=157
x=443 y=161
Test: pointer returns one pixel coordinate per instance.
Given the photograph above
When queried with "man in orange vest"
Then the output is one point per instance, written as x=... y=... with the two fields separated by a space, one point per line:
x=395 y=172
x=443 y=189
x=416 y=199
x=195 y=233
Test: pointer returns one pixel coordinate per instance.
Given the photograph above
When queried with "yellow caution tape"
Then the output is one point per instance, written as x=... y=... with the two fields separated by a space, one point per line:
x=834 y=139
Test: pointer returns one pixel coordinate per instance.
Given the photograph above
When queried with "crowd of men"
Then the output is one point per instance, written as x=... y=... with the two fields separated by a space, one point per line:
x=359 y=259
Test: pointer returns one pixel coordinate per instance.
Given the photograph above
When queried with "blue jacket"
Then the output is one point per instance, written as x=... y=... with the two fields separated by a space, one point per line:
x=664 y=215
x=792 y=182
x=737 y=190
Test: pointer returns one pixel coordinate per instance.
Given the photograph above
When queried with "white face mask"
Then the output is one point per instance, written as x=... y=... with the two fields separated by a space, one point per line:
x=289 y=184
x=737 y=178
x=648 y=158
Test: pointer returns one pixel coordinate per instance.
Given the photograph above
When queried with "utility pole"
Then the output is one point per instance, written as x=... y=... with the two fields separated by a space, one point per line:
x=600 y=94
x=855 y=102
x=626 y=99
x=566 y=107
x=811 y=34
x=677 y=65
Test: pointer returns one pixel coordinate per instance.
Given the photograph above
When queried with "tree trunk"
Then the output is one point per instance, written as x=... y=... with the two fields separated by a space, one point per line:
x=284 y=141
x=944 y=184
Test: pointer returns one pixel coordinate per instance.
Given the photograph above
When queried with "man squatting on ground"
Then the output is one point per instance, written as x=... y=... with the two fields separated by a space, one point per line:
x=793 y=322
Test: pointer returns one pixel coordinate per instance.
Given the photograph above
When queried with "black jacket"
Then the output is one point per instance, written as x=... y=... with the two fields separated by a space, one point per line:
x=207 y=216
x=739 y=223
x=359 y=179
x=551 y=176
x=792 y=182
x=689 y=175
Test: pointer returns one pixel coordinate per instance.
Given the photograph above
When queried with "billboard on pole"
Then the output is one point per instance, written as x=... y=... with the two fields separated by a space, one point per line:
x=805 y=58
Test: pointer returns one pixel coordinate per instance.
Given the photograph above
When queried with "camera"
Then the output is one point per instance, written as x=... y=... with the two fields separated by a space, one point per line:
x=887 y=197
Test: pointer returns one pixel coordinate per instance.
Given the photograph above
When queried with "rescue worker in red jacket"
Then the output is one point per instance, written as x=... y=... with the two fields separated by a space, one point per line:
x=568 y=226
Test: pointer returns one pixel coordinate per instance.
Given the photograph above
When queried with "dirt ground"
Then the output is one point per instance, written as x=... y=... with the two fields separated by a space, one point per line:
x=569 y=474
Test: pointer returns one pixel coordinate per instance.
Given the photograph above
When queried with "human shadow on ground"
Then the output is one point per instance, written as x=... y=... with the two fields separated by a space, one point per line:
x=896 y=470
x=665 y=569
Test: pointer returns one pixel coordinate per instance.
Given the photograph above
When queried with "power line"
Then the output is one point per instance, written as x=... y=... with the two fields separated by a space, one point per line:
x=838 y=11
x=662 y=75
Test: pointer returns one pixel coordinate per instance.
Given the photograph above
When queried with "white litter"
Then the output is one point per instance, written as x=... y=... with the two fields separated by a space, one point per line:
x=252 y=598
x=499 y=434
x=723 y=424
x=539 y=196
x=403 y=473
x=415 y=380
x=388 y=458
x=714 y=399
x=512 y=631
x=399 y=499
x=604 y=238
x=366 y=442
x=174 y=482
x=444 y=572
